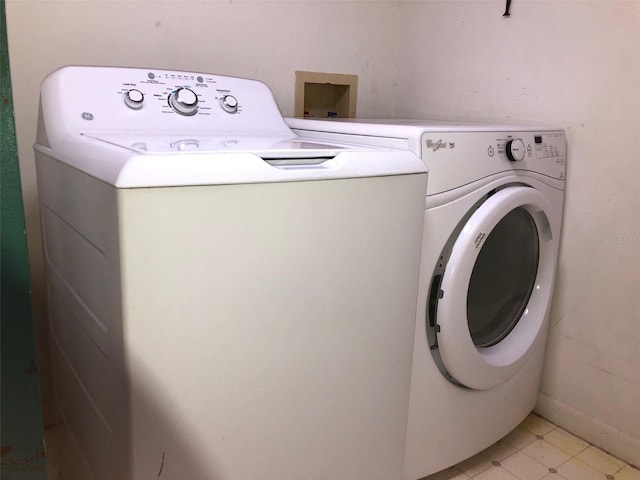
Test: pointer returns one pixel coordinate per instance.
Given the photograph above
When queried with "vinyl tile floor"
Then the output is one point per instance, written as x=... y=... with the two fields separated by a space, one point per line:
x=536 y=450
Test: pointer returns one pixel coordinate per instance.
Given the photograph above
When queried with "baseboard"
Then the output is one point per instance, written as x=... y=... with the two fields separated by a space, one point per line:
x=603 y=436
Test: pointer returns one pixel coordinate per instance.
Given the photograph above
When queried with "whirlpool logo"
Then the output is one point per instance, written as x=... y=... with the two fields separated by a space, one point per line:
x=436 y=145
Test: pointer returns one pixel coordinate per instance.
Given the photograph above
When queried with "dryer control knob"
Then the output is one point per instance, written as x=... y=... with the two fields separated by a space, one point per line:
x=515 y=149
x=184 y=101
x=229 y=103
x=133 y=98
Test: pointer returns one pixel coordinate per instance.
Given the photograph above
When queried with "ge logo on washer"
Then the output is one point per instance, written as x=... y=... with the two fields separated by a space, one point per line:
x=87 y=116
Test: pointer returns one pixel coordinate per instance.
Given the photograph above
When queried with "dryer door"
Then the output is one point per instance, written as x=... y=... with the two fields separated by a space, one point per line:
x=493 y=295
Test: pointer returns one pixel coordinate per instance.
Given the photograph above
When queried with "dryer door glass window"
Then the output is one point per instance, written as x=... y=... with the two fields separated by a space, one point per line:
x=503 y=278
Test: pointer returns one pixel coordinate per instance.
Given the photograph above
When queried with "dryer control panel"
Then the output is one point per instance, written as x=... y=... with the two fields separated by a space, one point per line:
x=458 y=158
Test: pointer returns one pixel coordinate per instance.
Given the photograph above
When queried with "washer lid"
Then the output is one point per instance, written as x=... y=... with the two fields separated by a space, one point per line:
x=141 y=160
x=265 y=147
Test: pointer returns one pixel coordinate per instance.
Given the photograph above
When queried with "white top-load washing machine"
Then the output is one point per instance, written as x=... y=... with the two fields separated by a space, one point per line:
x=491 y=232
x=227 y=301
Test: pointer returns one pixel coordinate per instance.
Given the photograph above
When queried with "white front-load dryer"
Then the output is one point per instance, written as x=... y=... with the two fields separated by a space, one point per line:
x=490 y=244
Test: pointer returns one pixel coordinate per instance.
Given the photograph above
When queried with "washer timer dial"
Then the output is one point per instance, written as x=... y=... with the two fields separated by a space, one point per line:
x=184 y=101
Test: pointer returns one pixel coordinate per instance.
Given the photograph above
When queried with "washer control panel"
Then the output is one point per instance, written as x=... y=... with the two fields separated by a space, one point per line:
x=101 y=99
x=183 y=93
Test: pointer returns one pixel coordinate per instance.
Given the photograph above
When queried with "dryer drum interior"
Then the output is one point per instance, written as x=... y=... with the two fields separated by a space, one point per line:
x=503 y=278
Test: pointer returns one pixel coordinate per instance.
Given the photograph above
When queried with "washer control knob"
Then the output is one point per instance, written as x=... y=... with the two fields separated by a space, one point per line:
x=229 y=103
x=184 y=101
x=133 y=98
x=515 y=149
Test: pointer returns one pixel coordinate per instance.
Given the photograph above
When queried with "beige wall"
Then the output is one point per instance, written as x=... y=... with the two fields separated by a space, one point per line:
x=576 y=64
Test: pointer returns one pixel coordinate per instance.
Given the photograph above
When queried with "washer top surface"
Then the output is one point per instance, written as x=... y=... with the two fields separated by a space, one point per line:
x=142 y=127
x=266 y=147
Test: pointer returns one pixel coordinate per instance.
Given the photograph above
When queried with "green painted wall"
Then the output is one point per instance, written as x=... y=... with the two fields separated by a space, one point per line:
x=21 y=433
